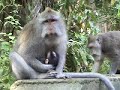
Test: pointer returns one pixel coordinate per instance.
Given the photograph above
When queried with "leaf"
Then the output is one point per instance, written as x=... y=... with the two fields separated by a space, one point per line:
x=1 y=71
x=113 y=2
x=84 y=59
x=9 y=17
x=12 y=37
x=5 y=46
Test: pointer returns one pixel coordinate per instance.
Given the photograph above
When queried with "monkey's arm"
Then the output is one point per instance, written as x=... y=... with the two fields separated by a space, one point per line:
x=113 y=67
x=61 y=50
x=96 y=66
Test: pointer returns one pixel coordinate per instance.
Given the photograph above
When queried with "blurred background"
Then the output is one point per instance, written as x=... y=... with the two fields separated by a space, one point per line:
x=82 y=17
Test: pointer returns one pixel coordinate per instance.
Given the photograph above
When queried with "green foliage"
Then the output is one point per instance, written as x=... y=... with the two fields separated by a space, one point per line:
x=9 y=22
x=6 y=78
x=14 y=22
x=78 y=58
x=109 y=13
x=81 y=21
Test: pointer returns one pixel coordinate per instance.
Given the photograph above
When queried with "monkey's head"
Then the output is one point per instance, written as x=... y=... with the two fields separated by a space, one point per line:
x=50 y=23
x=94 y=44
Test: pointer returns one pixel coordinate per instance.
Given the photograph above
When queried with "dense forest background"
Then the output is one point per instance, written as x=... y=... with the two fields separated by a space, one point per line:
x=83 y=17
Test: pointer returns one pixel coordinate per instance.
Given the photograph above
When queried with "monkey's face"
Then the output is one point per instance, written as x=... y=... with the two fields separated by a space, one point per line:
x=51 y=24
x=95 y=48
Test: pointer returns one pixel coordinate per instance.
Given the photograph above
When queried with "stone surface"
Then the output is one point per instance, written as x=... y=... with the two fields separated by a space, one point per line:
x=65 y=84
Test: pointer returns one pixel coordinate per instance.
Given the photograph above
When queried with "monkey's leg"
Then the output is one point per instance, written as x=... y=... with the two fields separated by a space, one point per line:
x=45 y=76
x=96 y=66
x=114 y=66
x=106 y=81
x=20 y=68
x=118 y=69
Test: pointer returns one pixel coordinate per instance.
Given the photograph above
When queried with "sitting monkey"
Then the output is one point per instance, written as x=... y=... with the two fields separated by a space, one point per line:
x=105 y=44
x=45 y=33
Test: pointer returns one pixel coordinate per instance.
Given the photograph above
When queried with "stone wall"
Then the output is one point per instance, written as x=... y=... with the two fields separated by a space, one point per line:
x=65 y=84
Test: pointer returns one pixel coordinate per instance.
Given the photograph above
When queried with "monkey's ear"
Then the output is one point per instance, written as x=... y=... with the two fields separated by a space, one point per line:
x=91 y=38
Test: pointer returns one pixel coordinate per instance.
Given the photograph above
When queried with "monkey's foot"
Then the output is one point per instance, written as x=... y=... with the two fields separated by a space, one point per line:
x=52 y=73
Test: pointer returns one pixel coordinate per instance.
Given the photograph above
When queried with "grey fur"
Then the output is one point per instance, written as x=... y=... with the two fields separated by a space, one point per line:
x=46 y=32
x=105 y=45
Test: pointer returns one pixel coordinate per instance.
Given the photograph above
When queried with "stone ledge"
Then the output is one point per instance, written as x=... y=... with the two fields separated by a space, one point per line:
x=65 y=84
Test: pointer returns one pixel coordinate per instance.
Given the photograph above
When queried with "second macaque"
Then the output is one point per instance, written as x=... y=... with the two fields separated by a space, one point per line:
x=105 y=45
x=52 y=58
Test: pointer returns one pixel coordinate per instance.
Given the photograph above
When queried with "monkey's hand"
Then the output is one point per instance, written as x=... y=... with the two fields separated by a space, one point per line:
x=52 y=73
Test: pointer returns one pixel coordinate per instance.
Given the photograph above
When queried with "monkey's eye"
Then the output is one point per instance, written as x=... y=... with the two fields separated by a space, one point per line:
x=91 y=47
x=94 y=55
x=46 y=21
x=49 y=20
x=98 y=39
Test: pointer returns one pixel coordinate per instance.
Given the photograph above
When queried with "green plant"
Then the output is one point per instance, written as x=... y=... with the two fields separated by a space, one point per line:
x=6 y=78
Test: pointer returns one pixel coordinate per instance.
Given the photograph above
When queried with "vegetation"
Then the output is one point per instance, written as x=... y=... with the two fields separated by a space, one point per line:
x=83 y=17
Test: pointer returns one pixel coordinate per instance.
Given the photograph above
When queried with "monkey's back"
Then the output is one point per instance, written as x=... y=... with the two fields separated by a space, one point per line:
x=110 y=43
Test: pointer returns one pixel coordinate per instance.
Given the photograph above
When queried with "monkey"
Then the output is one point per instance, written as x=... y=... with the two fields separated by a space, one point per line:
x=105 y=45
x=42 y=36
x=45 y=32
x=52 y=58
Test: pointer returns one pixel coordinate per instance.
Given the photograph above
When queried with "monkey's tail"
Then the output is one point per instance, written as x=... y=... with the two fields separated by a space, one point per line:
x=106 y=81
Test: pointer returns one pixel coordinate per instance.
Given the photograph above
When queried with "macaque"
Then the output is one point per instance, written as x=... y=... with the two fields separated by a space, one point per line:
x=52 y=58
x=42 y=40
x=44 y=34
x=105 y=44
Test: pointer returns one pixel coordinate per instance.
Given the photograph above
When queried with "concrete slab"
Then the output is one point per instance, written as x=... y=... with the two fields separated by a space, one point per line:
x=65 y=84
